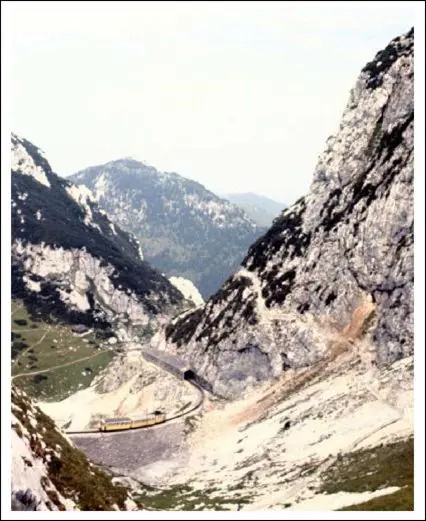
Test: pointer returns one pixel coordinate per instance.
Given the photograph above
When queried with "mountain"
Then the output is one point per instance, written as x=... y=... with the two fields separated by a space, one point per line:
x=319 y=438
x=184 y=230
x=69 y=261
x=337 y=266
x=260 y=208
x=50 y=473
x=312 y=338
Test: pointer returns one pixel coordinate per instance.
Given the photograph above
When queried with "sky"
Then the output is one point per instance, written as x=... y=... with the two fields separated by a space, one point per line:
x=239 y=96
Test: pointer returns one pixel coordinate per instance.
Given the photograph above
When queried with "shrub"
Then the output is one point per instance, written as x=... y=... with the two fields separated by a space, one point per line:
x=38 y=378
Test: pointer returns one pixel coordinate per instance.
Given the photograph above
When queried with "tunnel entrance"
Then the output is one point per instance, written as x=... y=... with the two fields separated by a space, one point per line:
x=188 y=374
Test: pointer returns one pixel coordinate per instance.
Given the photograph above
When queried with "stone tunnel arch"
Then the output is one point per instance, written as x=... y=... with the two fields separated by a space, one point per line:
x=188 y=374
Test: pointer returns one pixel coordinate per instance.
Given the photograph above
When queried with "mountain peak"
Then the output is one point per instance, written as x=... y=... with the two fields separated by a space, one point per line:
x=29 y=160
x=181 y=225
x=336 y=268
x=70 y=260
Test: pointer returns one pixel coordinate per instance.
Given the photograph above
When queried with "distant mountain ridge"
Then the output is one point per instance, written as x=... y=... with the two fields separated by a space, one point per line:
x=260 y=208
x=184 y=229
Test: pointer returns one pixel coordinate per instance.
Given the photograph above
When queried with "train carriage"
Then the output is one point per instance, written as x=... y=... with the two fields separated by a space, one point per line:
x=119 y=424
x=152 y=419
x=115 y=424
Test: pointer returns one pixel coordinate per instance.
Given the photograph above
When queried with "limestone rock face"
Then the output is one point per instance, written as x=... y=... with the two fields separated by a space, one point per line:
x=70 y=261
x=338 y=262
x=188 y=290
x=49 y=473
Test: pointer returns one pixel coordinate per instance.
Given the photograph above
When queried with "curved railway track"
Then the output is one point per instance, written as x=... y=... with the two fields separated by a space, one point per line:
x=197 y=405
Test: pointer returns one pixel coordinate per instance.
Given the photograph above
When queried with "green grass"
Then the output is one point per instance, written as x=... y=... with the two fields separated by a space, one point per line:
x=186 y=499
x=400 y=500
x=64 y=381
x=374 y=469
x=42 y=346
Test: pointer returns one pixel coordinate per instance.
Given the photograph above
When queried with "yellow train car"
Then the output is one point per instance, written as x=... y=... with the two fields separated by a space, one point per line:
x=120 y=424
x=115 y=424
x=153 y=419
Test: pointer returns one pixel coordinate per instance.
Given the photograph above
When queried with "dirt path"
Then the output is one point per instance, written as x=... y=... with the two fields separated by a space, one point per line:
x=22 y=330
x=21 y=354
x=57 y=366
x=17 y=309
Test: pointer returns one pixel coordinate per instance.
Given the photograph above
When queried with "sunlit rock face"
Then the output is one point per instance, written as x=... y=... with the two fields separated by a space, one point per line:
x=49 y=473
x=347 y=243
x=70 y=261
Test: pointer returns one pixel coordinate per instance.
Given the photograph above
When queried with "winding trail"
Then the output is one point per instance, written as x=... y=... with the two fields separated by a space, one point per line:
x=23 y=330
x=17 y=309
x=21 y=354
x=57 y=366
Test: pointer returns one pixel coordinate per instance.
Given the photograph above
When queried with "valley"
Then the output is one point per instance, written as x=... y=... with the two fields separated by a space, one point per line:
x=170 y=353
x=280 y=447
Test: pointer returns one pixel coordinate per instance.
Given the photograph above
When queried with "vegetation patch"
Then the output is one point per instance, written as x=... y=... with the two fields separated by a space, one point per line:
x=183 y=497
x=60 y=361
x=64 y=381
x=17 y=428
x=374 y=139
x=68 y=468
x=20 y=322
x=369 y=322
x=191 y=423
x=402 y=499
x=373 y=469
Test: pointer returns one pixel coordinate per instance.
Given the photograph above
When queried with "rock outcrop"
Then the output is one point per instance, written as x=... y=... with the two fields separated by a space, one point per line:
x=188 y=290
x=49 y=473
x=70 y=261
x=336 y=265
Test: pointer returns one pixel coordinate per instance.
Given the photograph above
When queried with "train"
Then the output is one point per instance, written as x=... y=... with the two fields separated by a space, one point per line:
x=120 y=424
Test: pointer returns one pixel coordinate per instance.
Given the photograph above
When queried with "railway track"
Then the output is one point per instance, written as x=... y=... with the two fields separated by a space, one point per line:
x=197 y=405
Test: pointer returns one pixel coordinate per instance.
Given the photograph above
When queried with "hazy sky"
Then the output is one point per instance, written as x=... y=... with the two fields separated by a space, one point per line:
x=238 y=96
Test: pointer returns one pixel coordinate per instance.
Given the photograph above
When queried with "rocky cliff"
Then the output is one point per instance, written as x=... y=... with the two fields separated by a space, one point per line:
x=70 y=261
x=334 y=267
x=49 y=473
